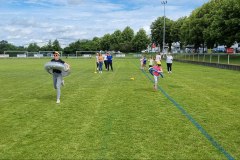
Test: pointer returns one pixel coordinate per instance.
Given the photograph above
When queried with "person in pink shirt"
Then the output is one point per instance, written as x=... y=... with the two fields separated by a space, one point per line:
x=156 y=71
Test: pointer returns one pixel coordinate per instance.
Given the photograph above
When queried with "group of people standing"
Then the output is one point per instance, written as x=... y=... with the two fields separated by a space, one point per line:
x=157 y=59
x=105 y=59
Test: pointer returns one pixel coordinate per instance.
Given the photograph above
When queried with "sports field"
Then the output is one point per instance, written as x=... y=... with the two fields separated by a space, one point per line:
x=195 y=114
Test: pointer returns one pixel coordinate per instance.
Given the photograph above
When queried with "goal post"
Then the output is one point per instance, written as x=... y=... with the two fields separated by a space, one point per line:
x=34 y=55
x=85 y=54
x=48 y=53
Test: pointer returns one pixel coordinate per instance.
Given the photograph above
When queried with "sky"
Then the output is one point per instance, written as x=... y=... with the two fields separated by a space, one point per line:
x=37 y=21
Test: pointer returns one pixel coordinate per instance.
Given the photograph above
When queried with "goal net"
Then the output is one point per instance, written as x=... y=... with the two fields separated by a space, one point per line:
x=85 y=54
x=48 y=53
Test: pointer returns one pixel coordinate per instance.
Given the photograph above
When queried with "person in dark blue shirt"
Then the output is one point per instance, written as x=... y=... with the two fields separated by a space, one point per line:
x=109 y=61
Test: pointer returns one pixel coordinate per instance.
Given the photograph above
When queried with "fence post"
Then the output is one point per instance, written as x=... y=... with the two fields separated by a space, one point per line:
x=228 y=58
x=210 y=58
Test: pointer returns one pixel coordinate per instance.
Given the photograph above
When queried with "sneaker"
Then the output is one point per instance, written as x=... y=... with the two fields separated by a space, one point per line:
x=58 y=101
x=62 y=83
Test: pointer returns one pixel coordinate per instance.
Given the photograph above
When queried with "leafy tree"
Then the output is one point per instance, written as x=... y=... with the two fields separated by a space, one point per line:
x=127 y=34
x=116 y=39
x=105 y=42
x=56 y=45
x=185 y=32
x=126 y=40
x=176 y=30
x=48 y=47
x=33 y=47
x=225 y=27
x=5 y=46
x=96 y=44
x=141 y=40
x=157 y=31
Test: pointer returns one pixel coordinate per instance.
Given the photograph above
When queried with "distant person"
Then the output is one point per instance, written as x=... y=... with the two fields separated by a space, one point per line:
x=158 y=57
x=109 y=61
x=100 y=62
x=151 y=62
x=97 y=63
x=169 y=61
x=57 y=75
x=143 y=62
x=105 y=60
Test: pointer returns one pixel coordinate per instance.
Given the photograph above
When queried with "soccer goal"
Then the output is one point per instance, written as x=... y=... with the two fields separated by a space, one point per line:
x=120 y=55
x=48 y=53
x=18 y=54
x=85 y=54
x=34 y=55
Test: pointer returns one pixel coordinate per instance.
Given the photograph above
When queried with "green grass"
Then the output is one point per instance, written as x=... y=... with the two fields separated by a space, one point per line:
x=109 y=116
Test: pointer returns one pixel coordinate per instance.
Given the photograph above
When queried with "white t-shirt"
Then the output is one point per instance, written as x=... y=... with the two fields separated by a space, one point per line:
x=97 y=59
x=169 y=59
x=105 y=57
x=158 y=57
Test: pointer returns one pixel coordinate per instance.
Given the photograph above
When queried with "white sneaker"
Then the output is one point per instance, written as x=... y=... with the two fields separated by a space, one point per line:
x=58 y=101
x=62 y=83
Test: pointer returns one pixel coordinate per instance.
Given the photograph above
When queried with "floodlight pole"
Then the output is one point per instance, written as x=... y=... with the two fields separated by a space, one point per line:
x=164 y=25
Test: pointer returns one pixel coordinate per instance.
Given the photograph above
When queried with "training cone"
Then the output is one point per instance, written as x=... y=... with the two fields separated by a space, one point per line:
x=132 y=78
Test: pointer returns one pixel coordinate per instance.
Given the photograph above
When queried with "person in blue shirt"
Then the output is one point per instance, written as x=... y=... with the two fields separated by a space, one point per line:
x=109 y=61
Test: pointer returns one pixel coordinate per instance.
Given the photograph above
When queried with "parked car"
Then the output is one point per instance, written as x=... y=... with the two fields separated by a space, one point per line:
x=219 y=50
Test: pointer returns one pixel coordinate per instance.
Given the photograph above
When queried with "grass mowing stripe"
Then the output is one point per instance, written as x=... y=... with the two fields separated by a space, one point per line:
x=193 y=121
x=108 y=125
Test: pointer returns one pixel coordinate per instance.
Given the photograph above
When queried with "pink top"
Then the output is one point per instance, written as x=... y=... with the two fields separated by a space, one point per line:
x=157 y=68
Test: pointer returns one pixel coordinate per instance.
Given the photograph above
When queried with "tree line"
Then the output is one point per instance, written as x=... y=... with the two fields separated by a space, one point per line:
x=217 y=22
x=214 y=23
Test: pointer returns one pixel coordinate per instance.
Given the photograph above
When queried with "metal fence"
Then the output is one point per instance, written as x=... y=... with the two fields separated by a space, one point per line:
x=219 y=58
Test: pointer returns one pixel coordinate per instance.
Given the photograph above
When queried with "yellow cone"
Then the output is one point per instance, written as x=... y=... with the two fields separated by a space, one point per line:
x=132 y=78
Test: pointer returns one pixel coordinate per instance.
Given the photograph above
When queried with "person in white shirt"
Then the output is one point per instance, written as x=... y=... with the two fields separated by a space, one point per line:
x=105 y=60
x=158 y=57
x=97 y=62
x=169 y=61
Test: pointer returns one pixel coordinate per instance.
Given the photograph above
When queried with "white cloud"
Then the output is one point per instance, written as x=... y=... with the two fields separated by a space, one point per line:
x=70 y=20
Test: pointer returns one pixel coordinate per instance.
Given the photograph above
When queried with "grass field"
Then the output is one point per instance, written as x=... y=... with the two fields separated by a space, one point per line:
x=195 y=114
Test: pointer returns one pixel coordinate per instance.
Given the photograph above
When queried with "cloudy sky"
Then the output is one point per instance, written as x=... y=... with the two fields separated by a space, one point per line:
x=27 y=21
